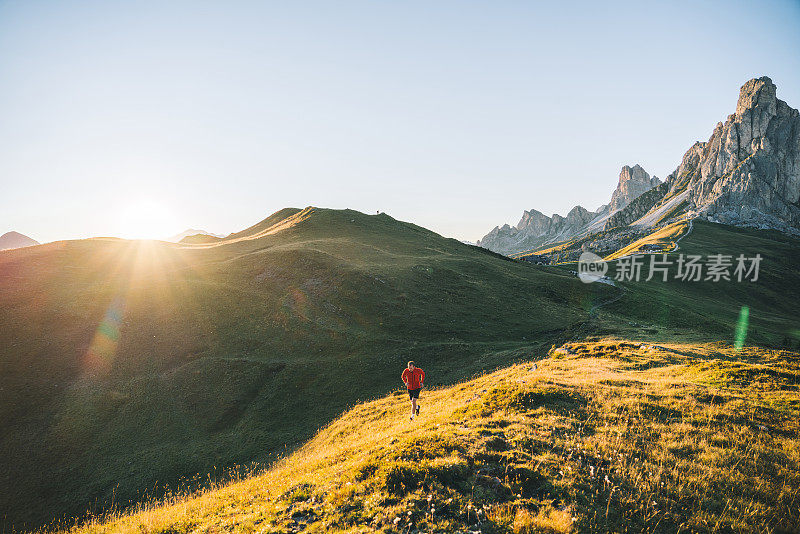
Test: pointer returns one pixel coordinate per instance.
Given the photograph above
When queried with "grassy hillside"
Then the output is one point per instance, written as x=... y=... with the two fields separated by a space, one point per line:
x=706 y=310
x=604 y=435
x=665 y=237
x=131 y=368
x=127 y=367
x=711 y=310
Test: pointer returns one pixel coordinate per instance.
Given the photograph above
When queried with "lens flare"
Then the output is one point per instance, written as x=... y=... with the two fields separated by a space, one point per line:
x=104 y=344
x=741 y=327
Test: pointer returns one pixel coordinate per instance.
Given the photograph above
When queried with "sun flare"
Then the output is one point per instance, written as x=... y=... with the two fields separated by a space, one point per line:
x=146 y=219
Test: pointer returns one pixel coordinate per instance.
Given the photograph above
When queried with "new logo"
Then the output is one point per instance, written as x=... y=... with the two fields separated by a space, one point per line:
x=591 y=267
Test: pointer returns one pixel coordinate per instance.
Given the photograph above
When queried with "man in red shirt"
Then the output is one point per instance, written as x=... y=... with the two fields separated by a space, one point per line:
x=413 y=377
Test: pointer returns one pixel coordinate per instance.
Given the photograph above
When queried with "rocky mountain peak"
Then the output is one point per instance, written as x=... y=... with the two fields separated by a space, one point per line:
x=579 y=214
x=628 y=173
x=532 y=218
x=759 y=95
x=633 y=181
x=746 y=174
x=535 y=228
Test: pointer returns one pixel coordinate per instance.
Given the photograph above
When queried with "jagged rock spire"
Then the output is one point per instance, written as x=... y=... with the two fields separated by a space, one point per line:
x=633 y=181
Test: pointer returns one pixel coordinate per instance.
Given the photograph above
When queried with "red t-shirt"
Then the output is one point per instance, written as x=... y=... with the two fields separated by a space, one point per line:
x=413 y=378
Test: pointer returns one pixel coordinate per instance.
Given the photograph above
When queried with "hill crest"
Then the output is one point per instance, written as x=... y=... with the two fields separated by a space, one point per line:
x=163 y=361
x=12 y=240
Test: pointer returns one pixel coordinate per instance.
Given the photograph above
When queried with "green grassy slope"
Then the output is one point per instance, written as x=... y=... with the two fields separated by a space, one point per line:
x=601 y=436
x=710 y=310
x=129 y=366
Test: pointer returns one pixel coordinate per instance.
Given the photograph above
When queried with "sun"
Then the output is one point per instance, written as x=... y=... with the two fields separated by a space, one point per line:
x=146 y=219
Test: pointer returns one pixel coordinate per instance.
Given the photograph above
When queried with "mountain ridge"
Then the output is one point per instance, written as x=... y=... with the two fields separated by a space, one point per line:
x=536 y=229
x=747 y=174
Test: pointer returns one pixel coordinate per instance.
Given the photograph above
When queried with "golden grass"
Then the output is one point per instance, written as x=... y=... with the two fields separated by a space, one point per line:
x=664 y=236
x=608 y=435
x=288 y=222
x=549 y=250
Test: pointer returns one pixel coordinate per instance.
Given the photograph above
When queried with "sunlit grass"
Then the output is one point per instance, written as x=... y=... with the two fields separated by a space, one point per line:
x=232 y=354
x=600 y=436
x=664 y=236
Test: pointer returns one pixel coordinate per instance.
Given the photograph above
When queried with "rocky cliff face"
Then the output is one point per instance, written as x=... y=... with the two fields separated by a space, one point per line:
x=748 y=172
x=633 y=181
x=636 y=208
x=536 y=229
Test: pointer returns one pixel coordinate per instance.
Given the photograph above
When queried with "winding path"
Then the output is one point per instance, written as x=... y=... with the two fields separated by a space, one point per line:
x=689 y=231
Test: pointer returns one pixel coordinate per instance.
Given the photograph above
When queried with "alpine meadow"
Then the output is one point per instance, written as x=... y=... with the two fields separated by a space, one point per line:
x=366 y=363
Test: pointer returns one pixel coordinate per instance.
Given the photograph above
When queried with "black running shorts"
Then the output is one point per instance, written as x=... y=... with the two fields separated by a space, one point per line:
x=414 y=393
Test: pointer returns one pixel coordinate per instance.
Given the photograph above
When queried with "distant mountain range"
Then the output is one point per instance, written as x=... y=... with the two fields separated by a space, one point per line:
x=536 y=229
x=11 y=240
x=191 y=232
x=747 y=174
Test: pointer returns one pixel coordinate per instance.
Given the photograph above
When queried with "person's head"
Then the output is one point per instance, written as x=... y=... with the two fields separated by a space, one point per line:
x=411 y=365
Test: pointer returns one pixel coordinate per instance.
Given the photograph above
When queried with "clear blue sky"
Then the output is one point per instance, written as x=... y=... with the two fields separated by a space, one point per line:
x=142 y=118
